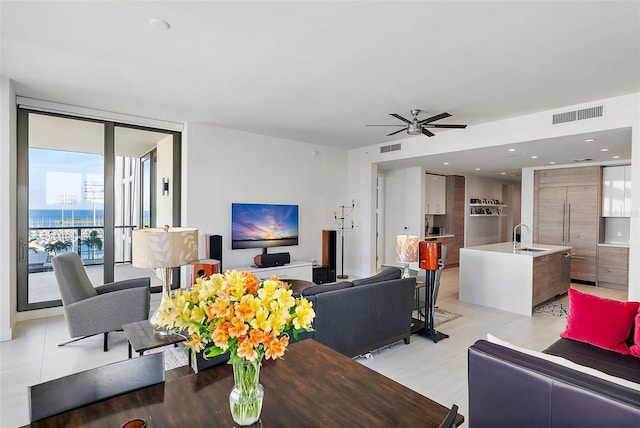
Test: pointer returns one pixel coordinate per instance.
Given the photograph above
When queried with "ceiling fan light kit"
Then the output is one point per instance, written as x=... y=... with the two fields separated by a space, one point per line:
x=417 y=127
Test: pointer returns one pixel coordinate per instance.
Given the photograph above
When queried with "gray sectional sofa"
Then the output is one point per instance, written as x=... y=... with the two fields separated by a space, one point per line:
x=355 y=317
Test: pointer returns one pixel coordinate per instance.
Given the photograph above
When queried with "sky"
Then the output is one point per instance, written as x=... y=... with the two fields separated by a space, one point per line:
x=58 y=176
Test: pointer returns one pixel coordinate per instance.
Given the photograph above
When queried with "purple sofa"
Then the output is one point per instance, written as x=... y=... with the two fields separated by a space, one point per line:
x=508 y=388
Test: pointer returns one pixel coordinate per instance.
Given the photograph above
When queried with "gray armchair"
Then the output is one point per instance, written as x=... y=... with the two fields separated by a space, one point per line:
x=90 y=311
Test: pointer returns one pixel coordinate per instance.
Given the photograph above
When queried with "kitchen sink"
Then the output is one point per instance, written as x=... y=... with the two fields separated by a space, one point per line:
x=533 y=250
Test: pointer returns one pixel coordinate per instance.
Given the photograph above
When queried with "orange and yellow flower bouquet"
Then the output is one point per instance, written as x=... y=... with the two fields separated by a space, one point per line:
x=235 y=312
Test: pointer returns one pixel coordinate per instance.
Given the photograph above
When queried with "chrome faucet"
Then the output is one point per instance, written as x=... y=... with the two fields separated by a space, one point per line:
x=515 y=244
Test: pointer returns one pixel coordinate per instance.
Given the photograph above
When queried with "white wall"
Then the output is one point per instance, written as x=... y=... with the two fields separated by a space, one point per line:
x=402 y=208
x=222 y=166
x=620 y=111
x=8 y=169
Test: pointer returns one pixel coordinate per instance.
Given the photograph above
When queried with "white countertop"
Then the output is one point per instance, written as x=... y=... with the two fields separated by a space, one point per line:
x=615 y=244
x=439 y=236
x=507 y=248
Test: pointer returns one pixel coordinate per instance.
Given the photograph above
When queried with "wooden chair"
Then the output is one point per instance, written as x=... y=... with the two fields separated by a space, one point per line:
x=79 y=389
x=450 y=420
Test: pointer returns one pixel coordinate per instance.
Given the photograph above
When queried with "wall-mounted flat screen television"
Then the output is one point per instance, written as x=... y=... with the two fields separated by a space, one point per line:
x=263 y=225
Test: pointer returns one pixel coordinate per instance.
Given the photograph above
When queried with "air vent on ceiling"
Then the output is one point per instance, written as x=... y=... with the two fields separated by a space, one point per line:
x=583 y=160
x=572 y=116
x=390 y=148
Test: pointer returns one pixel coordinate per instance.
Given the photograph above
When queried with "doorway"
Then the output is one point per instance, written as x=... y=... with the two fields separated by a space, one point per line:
x=81 y=188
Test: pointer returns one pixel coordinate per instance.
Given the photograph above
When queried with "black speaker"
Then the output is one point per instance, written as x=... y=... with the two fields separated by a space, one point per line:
x=215 y=249
x=329 y=253
x=272 y=260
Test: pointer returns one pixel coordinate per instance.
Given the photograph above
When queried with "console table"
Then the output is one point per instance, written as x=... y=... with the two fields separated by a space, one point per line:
x=293 y=270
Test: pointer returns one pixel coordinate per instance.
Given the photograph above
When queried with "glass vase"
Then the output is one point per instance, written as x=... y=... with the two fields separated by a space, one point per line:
x=246 y=396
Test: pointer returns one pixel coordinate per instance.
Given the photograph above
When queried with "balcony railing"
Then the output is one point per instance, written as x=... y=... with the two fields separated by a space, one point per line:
x=79 y=239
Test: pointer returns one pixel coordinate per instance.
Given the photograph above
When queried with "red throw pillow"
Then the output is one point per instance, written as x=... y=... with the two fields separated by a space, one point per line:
x=635 y=348
x=601 y=322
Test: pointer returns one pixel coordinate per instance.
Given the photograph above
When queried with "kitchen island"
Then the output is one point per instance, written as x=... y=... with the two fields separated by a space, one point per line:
x=500 y=277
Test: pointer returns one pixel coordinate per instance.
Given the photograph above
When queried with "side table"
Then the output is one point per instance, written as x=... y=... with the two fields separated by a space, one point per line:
x=141 y=338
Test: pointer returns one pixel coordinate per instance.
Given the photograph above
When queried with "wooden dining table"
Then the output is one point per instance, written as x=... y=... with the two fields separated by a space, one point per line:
x=312 y=386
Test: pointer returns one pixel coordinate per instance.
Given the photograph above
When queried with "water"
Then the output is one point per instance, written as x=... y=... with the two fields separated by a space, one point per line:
x=56 y=218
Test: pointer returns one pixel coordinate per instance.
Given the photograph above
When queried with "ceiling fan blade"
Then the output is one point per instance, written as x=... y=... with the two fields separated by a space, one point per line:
x=427 y=132
x=400 y=130
x=397 y=116
x=442 y=125
x=434 y=118
x=385 y=125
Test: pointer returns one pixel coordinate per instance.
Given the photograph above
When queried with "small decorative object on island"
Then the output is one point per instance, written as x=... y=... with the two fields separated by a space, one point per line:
x=235 y=312
x=164 y=248
x=407 y=251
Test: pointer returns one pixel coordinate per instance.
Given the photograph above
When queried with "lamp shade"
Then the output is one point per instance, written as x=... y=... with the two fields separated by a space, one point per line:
x=407 y=249
x=164 y=247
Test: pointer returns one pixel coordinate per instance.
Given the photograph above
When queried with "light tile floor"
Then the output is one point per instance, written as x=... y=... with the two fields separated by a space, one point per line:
x=437 y=371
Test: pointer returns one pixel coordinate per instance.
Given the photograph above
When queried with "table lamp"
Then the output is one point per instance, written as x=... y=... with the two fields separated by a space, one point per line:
x=164 y=248
x=406 y=251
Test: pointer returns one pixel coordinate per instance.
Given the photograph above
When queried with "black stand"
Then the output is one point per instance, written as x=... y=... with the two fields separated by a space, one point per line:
x=429 y=330
x=340 y=222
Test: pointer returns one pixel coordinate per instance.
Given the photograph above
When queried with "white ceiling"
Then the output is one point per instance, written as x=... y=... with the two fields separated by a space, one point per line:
x=318 y=72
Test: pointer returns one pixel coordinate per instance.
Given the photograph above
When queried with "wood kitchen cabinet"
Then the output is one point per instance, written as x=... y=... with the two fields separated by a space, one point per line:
x=453 y=220
x=566 y=212
x=613 y=266
x=436 y=194
x=550 y=277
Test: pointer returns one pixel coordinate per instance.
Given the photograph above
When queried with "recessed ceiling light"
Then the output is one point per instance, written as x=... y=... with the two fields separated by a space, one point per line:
x=512 y=150
x=445 y=163
x=589 y=140
x=604 y=150
x=477 y=169
x=503 y=173
x=616 y=157
x=158 y=24
x=534 y=157
x=552 y=162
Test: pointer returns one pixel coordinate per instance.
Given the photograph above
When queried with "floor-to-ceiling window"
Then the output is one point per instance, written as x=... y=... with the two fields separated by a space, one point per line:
x=80 y=188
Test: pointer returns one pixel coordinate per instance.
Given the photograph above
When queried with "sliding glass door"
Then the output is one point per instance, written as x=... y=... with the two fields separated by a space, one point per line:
x=80 y=188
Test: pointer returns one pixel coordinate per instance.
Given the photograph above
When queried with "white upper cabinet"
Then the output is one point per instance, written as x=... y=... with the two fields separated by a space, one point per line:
x=616 y=191
x=436 y=194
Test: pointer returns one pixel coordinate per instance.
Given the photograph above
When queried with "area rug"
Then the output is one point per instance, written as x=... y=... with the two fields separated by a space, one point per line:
x=440 y=316
x=174 y=356
x=554 y=309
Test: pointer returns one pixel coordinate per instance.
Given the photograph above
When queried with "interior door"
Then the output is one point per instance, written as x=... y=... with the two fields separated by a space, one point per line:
x=552 y=215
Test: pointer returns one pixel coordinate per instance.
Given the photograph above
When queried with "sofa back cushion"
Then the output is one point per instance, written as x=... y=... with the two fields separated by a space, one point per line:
x=323 y=288
x=386 y=274
x=601 y=322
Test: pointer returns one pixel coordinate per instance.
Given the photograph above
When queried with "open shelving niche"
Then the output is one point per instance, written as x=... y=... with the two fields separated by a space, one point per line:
x=480 y=210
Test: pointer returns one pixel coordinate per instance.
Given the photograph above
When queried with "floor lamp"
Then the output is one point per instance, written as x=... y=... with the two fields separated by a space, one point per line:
x=164 y=248
x=345 y=211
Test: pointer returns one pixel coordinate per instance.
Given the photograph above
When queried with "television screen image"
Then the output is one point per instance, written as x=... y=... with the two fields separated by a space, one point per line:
x=263 y=225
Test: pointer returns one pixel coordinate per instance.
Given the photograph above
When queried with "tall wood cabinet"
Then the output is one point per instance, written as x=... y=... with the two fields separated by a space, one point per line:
x=566 y=212
x=453 y=220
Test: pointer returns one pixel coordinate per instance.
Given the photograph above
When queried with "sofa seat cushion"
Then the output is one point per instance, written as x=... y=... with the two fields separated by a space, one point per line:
x=387 y=274
x=601 y=322
x=323 y=288
x=612 y=363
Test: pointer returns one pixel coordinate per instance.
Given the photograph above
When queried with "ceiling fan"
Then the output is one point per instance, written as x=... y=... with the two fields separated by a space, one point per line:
x=417 y=127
